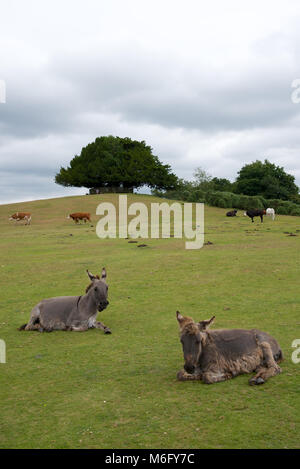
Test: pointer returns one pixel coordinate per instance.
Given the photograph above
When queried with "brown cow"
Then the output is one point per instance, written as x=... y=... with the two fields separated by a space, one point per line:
x=21 y=216
x=80 y=216
x=221 y=354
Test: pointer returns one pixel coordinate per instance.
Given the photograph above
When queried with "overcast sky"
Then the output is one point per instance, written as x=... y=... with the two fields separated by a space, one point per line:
x=203 y=83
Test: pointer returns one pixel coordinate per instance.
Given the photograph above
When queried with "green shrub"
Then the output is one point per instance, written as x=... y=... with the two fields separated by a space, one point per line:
x=263 y=201
x=198 y=194
x=221 y=203
x=242 y=202
x=234 y=200
x=282 y=210
x=228 y=199
x=185 y=195
x=273 y=203
x=195 y=195
x=224 y=199
x=256 y=203
x=295 y=211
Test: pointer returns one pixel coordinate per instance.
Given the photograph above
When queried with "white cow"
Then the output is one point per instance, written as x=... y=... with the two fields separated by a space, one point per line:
x=271 y=213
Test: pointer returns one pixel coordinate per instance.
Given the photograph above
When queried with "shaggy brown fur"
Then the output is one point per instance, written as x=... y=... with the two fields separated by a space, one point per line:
x=190 y=328
x=218 y=355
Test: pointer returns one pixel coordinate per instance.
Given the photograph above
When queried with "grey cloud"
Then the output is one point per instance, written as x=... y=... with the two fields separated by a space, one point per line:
x=206 y=97
x=31 y=187
x=163 y=91
x=160 y=90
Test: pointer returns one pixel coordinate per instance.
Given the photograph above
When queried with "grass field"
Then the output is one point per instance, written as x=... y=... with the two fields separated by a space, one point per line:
x=90 y=390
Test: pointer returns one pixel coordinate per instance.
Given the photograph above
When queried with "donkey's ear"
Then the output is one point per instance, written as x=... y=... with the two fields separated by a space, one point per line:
x=179 y=317
x=103 y=275
x=203 y=325
x=91 y=276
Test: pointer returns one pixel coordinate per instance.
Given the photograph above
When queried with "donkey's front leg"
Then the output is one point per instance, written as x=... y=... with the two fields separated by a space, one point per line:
x=100 y=325
x=182 y=375
x=210 y=377
x=33 y=327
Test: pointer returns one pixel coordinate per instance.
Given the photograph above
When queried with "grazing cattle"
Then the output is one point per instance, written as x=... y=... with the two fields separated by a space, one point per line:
x=18 y=216
x=271 y=213
x=232 y=213
x=221 y=354
x=80 y=216
x=72 y=313
x=255 y=213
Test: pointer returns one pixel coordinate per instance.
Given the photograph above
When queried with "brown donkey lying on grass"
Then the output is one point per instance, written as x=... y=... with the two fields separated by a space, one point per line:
x=221 y=354
x=72 y=313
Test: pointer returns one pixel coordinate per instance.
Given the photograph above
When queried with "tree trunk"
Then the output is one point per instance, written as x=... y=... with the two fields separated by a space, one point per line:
x=111 y=190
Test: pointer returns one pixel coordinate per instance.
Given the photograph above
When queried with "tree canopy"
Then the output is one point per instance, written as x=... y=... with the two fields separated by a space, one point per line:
x=265 y=179
x=116 y=162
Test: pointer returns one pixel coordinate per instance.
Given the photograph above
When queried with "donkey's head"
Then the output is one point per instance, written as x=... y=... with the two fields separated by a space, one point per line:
x=191 y=338
x=99 y=289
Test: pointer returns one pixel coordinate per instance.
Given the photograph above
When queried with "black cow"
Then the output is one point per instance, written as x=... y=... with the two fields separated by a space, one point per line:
x=232 y=213
x=255 y=213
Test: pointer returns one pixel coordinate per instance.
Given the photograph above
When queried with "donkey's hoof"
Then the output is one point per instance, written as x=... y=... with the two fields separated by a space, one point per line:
x=107 y=331
x=259 y=381
x=256 y=381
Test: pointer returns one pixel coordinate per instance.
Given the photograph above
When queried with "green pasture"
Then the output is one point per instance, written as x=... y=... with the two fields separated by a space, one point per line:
x=91 y=390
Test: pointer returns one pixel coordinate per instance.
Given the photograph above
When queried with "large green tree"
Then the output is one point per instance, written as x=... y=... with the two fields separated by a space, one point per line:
x=266 y=179
x=114 y=162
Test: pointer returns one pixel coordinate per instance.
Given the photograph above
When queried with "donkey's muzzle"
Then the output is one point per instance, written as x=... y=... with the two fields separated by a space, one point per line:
x=189 y=368
x=103 y=304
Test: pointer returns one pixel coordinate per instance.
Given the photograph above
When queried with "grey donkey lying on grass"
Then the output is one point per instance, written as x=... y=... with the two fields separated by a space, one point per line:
x=72 y=313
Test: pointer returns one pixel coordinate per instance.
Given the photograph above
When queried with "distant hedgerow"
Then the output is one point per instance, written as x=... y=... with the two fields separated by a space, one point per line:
x=230 y=200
